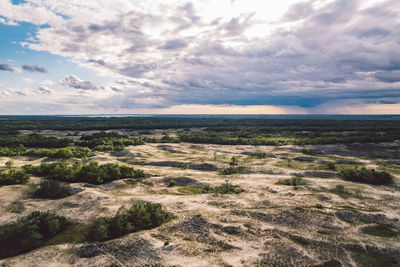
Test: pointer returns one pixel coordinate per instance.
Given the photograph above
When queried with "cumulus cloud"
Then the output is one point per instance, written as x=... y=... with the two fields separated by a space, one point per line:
x=74 y=82
x=226 y=52
x=6 y=67
x=35 y=68
x=5 y=94
x=22 y=92
x=44 y=90
x=33 y=12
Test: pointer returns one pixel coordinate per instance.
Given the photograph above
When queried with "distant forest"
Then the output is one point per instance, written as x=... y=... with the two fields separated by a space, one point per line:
x=229 y=130
x=273 y=123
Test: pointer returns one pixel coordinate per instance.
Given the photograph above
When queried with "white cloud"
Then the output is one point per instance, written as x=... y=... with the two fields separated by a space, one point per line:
x=8 y=22
x=44 y=90
x=5 y=94
x=29 y=12
x=252 y=52
x=47 y=83
x=28 y=80
x=74 y=82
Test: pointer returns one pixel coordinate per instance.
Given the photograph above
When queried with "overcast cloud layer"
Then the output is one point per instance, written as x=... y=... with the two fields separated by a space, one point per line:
x=315 y=55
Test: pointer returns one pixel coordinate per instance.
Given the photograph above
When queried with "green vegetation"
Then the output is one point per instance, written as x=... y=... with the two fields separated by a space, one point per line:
x=294 y=181
x=216 y=123
x=225 y=188
x=234 y=170
x=301 y=165
x=90 y=173
x=260 y=136
x=234 y=161
x=109 y=141
x=368 y=176
x=52 y=189
x=171 y=183
x=256 y=130
x=228 y=188
x=33 y=140
x=140 y=216
x=29 y=232
x=379 y=230
x=14 y=177
x=260 y=155
x=66 y=152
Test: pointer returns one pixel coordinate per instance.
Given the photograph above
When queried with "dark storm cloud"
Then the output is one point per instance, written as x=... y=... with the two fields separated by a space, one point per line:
x=35 y=68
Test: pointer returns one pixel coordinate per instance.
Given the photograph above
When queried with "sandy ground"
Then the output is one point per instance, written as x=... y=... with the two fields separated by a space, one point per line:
x=267 y=225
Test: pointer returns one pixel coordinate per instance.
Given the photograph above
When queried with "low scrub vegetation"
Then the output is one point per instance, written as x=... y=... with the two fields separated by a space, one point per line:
x=92 y=172
x=234 y=170
x=140 y=216
x=33 y=140
x=109 y=141
x=29 y=232
x=14 y=177
x=228 y=188
x=380 y=230
x=368 y=176
x=294 y=181
x=52 y=189
x=225 y=188
x=67 y=152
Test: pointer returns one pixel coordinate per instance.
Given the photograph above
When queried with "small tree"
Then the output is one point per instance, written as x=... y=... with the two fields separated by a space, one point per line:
x=9 y=164
x=234 y=161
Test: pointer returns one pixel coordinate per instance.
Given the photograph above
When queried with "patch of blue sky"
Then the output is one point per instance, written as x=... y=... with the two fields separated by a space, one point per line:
x=16 y=55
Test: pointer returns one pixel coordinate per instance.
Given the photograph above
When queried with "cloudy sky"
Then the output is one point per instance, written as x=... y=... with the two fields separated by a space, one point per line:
x=203 y=56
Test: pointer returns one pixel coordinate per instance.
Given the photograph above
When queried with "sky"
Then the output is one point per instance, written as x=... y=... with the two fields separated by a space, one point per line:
x=199 y=57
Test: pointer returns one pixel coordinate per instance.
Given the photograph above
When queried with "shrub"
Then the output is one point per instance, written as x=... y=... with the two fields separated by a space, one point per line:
x=30 y=232
x=140 y=216
x=294 y=181
x=14 y=177
x=234 y=161
x=228 y=188
x=260 y=155
x=234 y=170
x=368 y=176
x=52 y=189
x=109 y=141
x=89 y=173
x=171 y=183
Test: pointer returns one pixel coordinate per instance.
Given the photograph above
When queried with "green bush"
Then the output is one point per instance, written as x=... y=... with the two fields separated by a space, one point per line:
x=33 y=140
x=368 y=176
x=171 y=183
x=228 y=188
x=234 y=170
x=109 y=141
x=52 y=189
x=29 y=232
x=14 y=177
x=66 y=152
x=90 y=173
x=140 y=216
x=294 y=181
